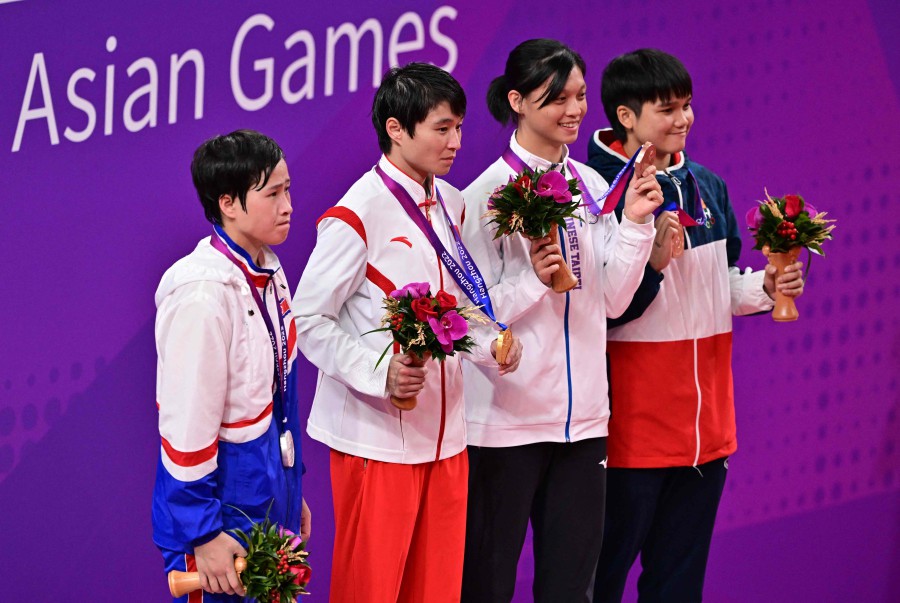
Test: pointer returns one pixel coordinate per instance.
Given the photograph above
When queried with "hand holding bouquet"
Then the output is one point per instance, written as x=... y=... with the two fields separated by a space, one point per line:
x=534 y=203
x=782 y=226
x=274 y=571
x=426 y=325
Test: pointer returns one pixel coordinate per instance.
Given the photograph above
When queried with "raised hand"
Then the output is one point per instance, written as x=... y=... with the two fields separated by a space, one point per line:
x=643 y=195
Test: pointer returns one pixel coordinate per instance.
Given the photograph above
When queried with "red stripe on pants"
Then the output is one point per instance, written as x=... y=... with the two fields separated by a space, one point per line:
x=190 y=564
x=399 y=530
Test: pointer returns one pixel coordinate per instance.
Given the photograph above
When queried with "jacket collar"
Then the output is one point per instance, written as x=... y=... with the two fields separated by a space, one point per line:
x=258 y=274
x=415 y=189
x=533 y=161
x=607 y=148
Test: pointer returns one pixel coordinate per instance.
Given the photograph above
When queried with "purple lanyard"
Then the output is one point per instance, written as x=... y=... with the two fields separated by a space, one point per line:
x=518 y=166
x=281 y=360
x=467 y=275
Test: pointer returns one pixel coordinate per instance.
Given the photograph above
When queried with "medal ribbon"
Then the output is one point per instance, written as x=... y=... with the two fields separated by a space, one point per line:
x=464 y=272
x=609 y=199
x=683 y=217
x=281 y=360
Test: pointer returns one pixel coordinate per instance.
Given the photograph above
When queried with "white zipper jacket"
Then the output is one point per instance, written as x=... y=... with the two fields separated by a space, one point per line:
x=559 y=392
x=219 y=454
x=366 y=247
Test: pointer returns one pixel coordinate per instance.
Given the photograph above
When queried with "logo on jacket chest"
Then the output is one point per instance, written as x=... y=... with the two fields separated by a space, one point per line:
x=403 y=240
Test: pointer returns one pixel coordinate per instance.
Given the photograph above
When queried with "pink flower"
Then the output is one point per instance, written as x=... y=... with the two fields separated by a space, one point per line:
x=810 y=210
x=754 y=218
x=553 y=184
x=496 y=195
x=293 y=542
x=414 y=290
x=448 y=329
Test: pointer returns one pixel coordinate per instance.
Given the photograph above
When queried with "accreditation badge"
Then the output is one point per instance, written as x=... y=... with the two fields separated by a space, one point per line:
x=287 y=448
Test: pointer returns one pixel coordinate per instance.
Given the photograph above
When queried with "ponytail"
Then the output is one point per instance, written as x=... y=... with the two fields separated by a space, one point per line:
x=530 y=65
x=498 y=100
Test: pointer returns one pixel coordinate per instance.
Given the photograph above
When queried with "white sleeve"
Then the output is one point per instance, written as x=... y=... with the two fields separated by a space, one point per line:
x=192 y=334
x=626 y=250
x=747 y=293
x=484 y=335
x=512 y=292
x=336 y=271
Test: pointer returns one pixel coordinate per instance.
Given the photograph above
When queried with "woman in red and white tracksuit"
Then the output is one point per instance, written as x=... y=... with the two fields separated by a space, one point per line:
x=398 y=477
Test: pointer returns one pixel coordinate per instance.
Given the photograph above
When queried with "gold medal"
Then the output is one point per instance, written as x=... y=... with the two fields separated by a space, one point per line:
x=504 y=343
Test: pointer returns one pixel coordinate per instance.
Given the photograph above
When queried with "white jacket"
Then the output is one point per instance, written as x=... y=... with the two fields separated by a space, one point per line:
x=366 y=247
x=202 y=325
x=214 y=386
x=559 y=392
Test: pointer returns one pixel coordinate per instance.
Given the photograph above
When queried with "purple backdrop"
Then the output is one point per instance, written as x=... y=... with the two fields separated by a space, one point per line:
x=96 y=141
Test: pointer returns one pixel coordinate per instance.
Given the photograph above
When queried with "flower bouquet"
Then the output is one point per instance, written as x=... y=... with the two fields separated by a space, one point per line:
x=782 y=226
x=425 y=326
x=274 y=571
x=534 y=203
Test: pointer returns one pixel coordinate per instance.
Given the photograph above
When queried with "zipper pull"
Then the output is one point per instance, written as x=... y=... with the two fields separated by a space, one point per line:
x=672 y=177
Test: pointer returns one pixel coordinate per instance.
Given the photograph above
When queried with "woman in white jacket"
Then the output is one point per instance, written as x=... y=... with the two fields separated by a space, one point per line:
x=398 y=477
x=537 y=439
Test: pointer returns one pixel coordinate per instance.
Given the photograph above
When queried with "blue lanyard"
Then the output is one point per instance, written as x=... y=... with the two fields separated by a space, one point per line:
x=281 y=360
x=466 y=274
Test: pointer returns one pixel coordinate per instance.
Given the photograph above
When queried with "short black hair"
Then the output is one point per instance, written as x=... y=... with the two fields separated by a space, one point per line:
x=409 y=93
x=635 y=78
x=231 y=165
x=528 y=66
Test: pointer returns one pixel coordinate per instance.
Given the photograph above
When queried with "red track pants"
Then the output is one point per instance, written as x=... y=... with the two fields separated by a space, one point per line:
x=399 y=530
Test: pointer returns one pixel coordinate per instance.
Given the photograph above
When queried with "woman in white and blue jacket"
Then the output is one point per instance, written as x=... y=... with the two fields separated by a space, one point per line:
x=537 y=448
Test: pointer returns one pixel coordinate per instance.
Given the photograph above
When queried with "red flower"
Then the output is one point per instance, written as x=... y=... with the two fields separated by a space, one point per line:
x=445 y=300
x=302 y=574
x=793 y=205
x=522 y=184
x=423 y=307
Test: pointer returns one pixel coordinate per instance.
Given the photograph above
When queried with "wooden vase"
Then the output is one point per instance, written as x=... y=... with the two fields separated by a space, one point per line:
x=182 y=583
x=410 y=403
x=785 y=308
x=562 y=280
